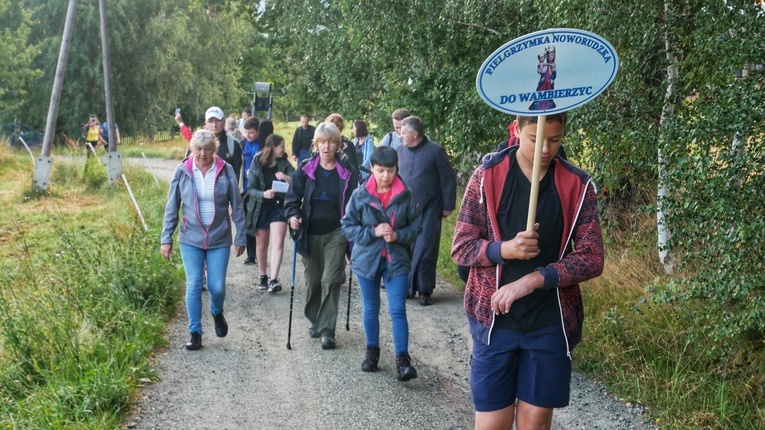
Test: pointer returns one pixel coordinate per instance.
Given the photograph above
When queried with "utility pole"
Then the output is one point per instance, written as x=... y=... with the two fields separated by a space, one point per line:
x=41 y=177
x=113 y=158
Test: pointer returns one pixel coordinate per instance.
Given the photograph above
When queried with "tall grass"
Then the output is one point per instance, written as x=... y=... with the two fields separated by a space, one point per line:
x=85 y=298
x=642 y=350
x=446 y=268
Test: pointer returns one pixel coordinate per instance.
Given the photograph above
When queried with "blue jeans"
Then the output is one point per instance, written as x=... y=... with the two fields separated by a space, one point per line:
x=395 y=288
x=194 y=260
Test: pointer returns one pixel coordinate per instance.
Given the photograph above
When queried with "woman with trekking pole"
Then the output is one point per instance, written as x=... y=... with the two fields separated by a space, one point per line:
x=383 y=221
x=315 y=203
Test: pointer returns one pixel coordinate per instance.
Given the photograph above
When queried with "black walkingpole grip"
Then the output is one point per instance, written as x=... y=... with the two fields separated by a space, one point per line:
x=292 y=292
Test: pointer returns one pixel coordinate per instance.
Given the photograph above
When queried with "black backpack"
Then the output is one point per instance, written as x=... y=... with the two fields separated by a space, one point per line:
x=390 y=138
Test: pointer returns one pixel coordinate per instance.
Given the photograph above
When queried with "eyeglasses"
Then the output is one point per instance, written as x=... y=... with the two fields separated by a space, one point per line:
x=206 y=149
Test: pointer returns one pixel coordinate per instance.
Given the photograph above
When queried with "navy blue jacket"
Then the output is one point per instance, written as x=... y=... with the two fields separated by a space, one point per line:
x=364 y=212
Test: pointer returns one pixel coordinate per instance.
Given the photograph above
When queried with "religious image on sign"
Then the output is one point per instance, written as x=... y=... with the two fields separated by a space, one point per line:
x=547 y=74
x=521 y=77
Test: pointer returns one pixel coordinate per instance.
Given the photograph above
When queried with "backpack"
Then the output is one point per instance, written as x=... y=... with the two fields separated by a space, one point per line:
x=390 y=138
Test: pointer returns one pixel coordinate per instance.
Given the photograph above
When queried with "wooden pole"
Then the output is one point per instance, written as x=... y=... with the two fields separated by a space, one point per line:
x=135 y=203
x=105 y=52
x=42 y=169
x=534 y=194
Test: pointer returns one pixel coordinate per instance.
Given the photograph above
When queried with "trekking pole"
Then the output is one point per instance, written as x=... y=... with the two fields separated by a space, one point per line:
x=348 y=314
x=292 y=291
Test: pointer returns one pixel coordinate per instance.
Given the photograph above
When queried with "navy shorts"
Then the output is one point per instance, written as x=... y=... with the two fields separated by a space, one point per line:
x=532 y=367
x=269 y=214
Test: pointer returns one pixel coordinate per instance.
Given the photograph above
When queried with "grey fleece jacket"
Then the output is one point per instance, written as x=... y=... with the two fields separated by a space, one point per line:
x=183 y=193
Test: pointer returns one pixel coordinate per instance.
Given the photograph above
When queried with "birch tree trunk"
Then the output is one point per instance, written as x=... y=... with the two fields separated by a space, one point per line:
x=737 y=146
x=665 y=253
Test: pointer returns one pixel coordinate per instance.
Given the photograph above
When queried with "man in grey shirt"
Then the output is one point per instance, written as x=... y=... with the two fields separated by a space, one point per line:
x=393 y=139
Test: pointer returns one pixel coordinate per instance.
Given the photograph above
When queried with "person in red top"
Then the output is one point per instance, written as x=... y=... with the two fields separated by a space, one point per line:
x=522 y=297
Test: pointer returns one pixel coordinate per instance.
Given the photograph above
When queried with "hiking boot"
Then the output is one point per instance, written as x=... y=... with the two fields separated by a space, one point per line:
x=370 y=362
x=327 y=341
x=404 y=367
x=274 y=286
x=313 y=333
x=195 y=343
x=425 y=299
x=221 y=326
x=263 y=282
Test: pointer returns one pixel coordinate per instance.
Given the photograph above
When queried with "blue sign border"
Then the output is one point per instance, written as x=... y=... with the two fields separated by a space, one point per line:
x=537 y=34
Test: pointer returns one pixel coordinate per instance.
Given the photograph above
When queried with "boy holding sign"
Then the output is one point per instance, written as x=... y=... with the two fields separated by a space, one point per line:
x=522 y=296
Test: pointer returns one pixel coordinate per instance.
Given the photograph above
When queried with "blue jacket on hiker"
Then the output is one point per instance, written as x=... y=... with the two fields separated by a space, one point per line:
x=364 y=212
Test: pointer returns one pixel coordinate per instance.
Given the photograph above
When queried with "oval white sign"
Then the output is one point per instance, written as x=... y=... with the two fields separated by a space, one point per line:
x=547 y=72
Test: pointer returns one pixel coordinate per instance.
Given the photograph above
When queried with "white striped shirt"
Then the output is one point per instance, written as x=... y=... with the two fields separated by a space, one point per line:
x=205 y=185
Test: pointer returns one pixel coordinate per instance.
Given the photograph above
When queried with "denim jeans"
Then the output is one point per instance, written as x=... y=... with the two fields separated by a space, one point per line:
x=194 y=260
x=395 y=288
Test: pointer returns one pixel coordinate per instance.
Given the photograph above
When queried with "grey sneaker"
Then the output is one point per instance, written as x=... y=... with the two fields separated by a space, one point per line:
x=263 y=282
x=274 y=286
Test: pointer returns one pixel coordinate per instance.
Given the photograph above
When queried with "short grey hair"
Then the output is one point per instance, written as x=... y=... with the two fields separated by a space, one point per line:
x=327 y=131
x=414 y=123
x=202 y=139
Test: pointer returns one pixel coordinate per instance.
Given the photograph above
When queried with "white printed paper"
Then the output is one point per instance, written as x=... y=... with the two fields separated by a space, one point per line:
x=280 y=186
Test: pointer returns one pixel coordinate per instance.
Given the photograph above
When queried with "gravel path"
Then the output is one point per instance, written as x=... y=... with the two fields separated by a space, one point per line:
x=249 y=380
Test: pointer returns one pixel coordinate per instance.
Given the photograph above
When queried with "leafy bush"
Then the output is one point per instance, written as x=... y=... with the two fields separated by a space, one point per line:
x=94 y=174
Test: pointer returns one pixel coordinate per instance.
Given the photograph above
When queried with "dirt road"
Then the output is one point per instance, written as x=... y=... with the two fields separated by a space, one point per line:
x=249 y=380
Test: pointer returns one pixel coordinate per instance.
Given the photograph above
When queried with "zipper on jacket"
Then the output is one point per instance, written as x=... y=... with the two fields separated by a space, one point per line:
x=568 y=240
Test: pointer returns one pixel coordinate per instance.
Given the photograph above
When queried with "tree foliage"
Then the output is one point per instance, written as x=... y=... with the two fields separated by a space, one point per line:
x=16 y=73
x=366 y=58
x=165 y=54
x=717 y=154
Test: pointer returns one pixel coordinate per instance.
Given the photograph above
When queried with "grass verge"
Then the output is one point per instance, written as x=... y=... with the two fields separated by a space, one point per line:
x=86 y=295
x=645 y=352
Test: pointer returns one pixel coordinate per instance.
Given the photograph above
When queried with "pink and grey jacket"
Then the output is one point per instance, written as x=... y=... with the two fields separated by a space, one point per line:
x=477 y=241
x=183 y=193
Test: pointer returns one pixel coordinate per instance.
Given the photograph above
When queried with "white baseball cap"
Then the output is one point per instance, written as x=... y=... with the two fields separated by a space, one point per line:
x=214 y=111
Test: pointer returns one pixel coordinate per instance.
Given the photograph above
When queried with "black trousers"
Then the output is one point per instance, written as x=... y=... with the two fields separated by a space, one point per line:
x=251 y=248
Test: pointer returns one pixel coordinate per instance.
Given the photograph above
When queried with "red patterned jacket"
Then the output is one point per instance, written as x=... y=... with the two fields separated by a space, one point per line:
x=477 y=239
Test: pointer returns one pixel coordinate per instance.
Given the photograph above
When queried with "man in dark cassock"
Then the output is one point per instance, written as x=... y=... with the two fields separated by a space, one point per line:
x=425 y=168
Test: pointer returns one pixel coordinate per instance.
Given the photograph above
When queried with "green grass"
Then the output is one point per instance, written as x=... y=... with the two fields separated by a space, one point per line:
x=445 y=267
x=644 y=352
x=85 y=296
